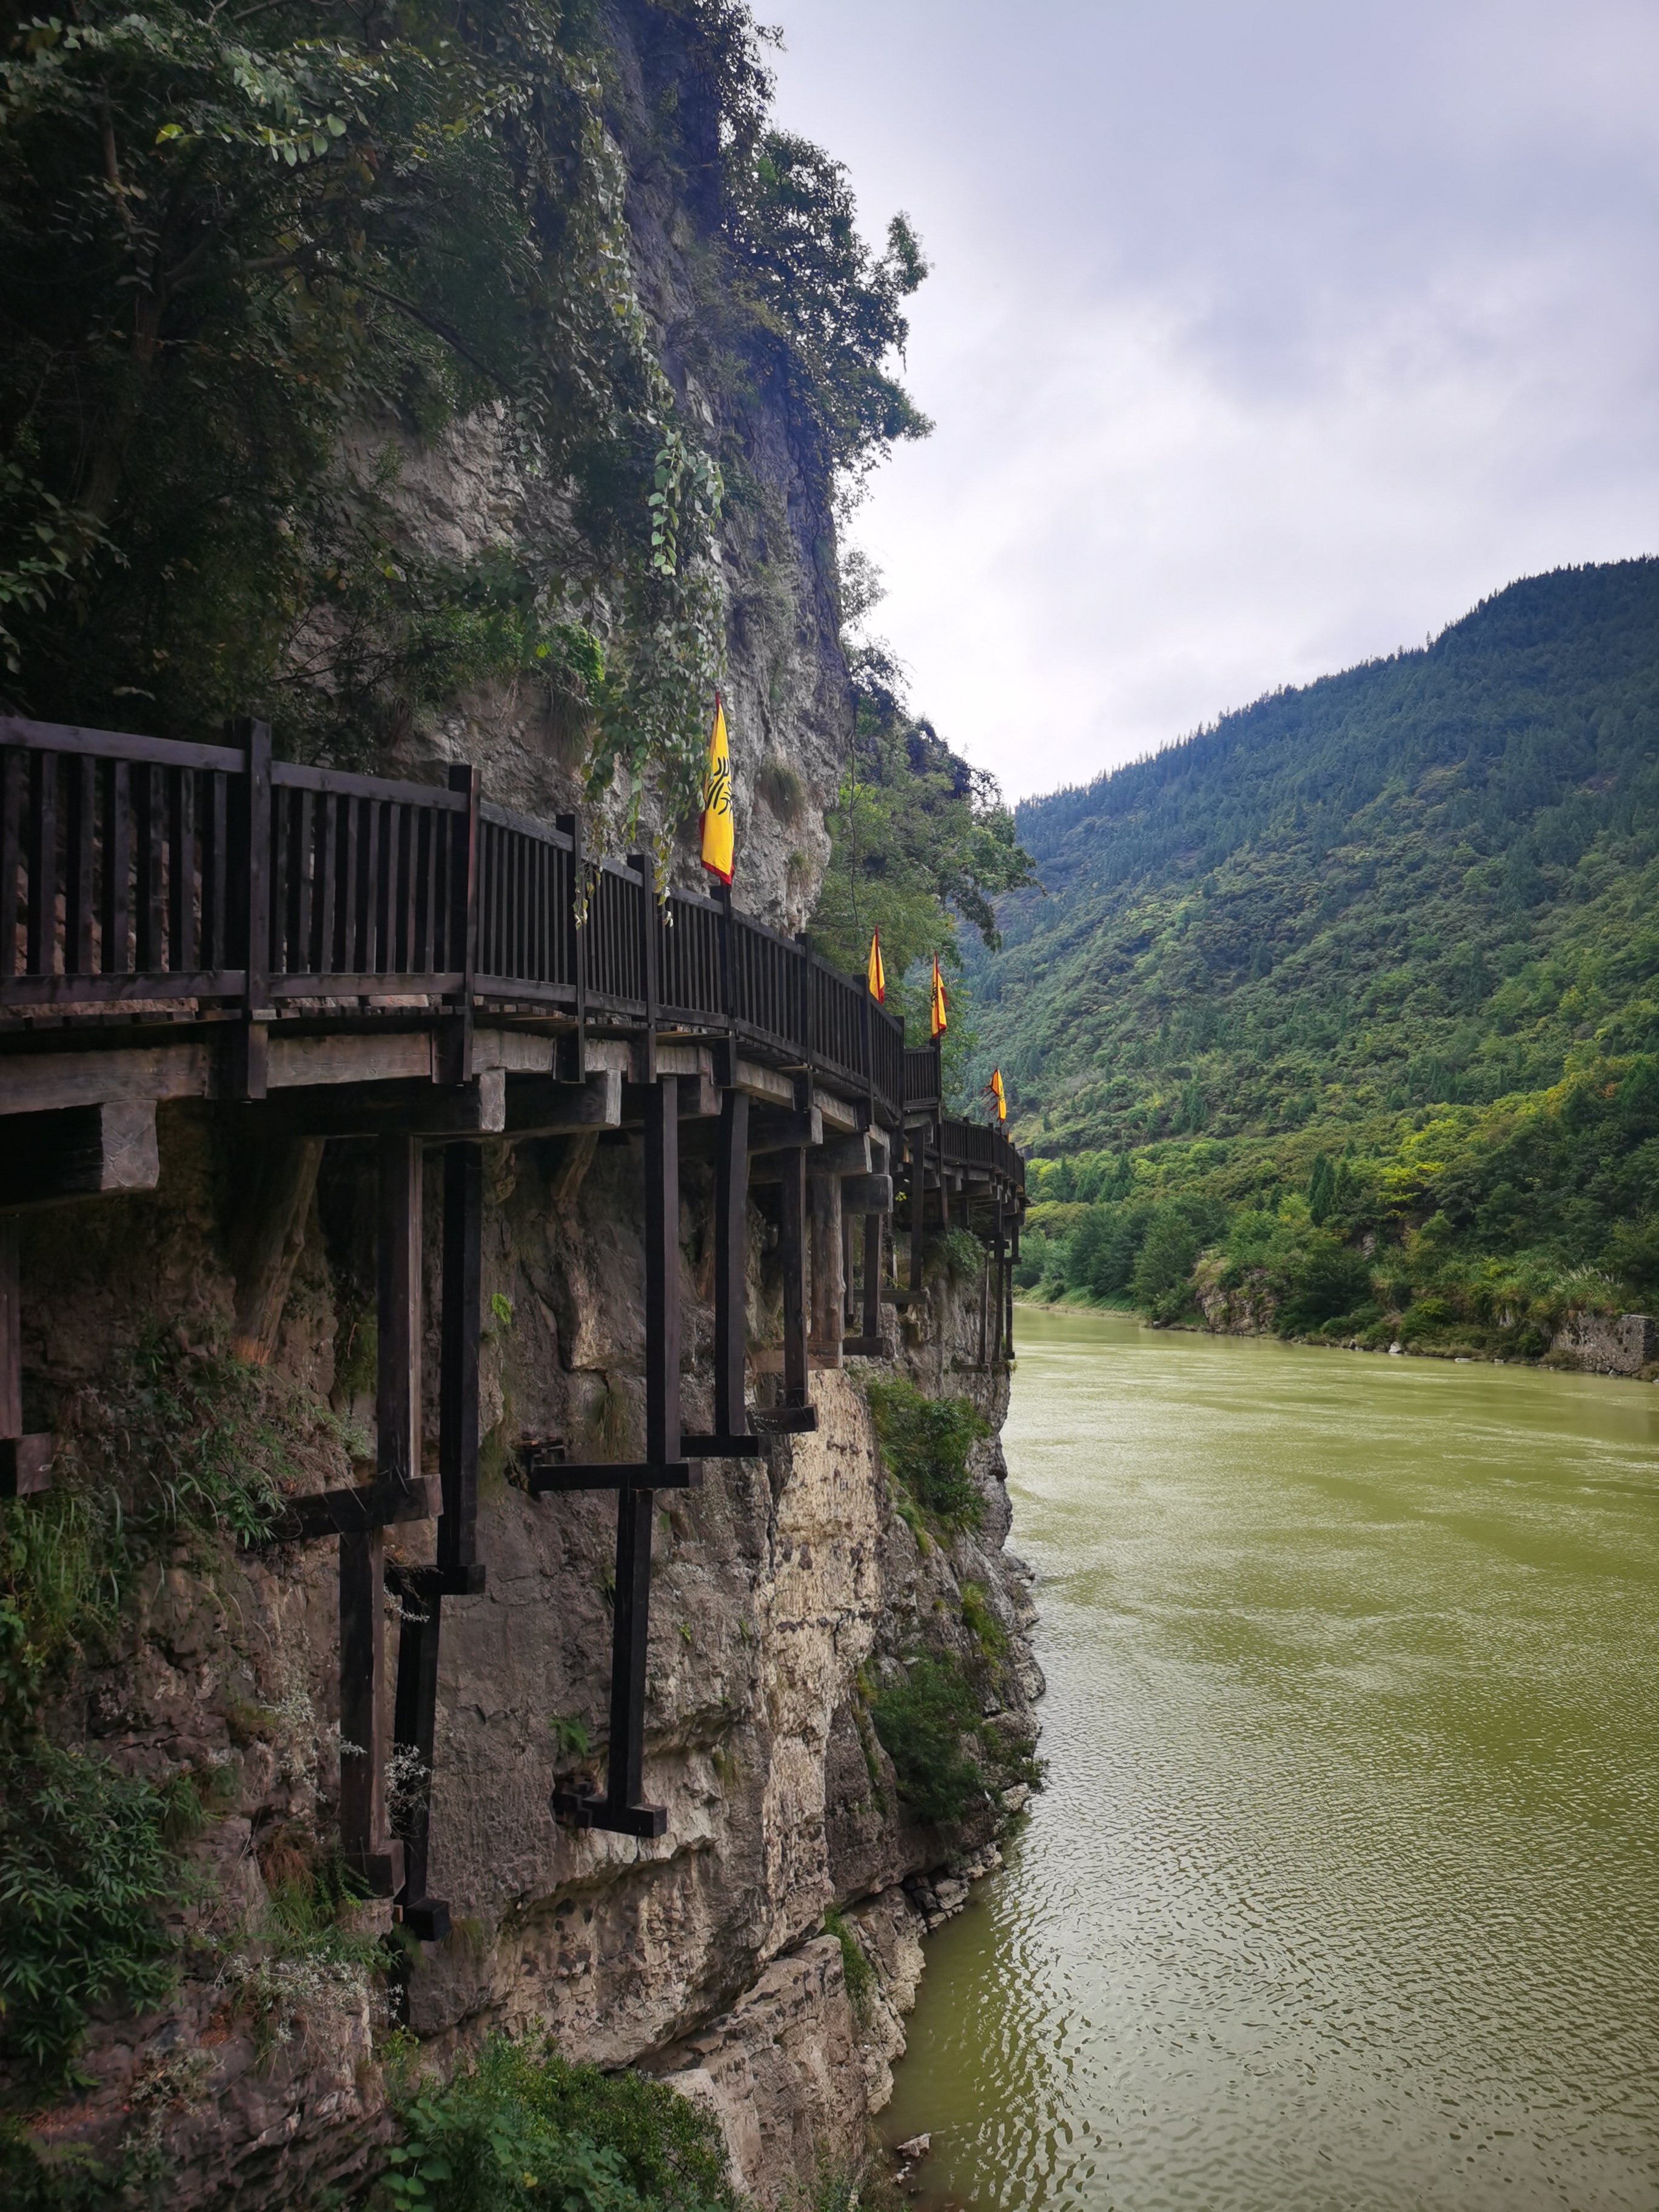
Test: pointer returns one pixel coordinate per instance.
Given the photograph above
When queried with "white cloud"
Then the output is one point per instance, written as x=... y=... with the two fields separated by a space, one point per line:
x=1260 y=339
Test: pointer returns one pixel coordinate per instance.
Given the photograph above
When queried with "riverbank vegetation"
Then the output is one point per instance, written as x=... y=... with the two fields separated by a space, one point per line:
x=1476 y=1228
x=1343 y=1017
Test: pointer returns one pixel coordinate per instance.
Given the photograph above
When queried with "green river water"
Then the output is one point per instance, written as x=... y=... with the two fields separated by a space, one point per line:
x=1343 y=1891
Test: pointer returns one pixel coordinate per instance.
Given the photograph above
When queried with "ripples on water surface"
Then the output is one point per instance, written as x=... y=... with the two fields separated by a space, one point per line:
x=1343 y=1890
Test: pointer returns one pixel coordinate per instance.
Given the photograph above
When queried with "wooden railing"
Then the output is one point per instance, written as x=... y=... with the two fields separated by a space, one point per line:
x=922 y=1079
x=137 y=868
x=972 y=1145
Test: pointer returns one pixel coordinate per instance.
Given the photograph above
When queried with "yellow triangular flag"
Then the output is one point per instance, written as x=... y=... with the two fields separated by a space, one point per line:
x=876 y=973
x=936 y=1017
x=995 y=1086
x=719 y=847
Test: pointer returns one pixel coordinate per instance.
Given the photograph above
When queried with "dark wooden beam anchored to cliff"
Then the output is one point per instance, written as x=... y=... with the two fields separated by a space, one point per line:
x=458 y=1572
x=25 y=1461
x=621 y=1808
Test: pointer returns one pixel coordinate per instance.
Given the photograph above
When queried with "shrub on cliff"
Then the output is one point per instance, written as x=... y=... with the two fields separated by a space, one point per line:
x=86 y=1866
x=925 y=1717
x=925 y=1443
x=520 y=2126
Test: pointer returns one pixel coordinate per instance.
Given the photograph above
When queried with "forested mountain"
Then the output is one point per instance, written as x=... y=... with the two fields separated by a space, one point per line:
x=1398 y=926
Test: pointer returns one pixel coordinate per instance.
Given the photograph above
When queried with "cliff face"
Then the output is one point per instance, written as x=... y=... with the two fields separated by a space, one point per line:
x=784 y=1591
x=786 y=689
x=781 y=1591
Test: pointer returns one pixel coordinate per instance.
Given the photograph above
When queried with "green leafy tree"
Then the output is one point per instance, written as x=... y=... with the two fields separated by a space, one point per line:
x=251 y=259
x=921 y=843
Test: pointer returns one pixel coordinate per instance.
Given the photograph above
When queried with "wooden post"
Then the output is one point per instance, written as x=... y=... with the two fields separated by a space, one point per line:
x=791 y=1245
x=1014 y=1262
x=872 y=1235
x=11 y=1333
x=25 y=1461
x=1008 y=1294
x=364 y=1843
x=630 y=1635
x=457 y=1387
x=459 y=1573
x=662 y=1273
x=249 y=1055
x=363 y=1837
x=827 y=1291
x=414 y=1730
x=918 y=1201
x=269 y=1238
x=454 y=1037
x=998 y=1276
x=731 y=1248
x=849 y=1307
x=397 y=1395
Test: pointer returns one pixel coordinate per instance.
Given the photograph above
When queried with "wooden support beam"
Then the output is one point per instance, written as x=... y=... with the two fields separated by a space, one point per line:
x=918 y=1202
x=547 y=1478
x=791 y=1248
x=378 y=1504
x=1005 y=1291
x=400 y=1106
x=397 y=1390
x=731 y=1254
x=622 y=1810
x=459 y=1572
x=268 y=1238
x=373 y=1856
x=872 y=1237
x=78 y=1151
x=867 y=1193
x=775 y=1130
x=699 y=1098
x=842 y=1156
x=414 y=1732
x=538 y=1107
x=461 y=1326
x=662 y=1272
x=25 y=1461
x=829 y=1290
x=782 y=1420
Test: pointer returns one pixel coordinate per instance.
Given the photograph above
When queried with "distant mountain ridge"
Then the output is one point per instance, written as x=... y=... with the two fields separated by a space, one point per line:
x=1429 y=878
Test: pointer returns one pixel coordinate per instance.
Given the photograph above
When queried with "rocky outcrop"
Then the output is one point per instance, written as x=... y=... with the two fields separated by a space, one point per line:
x=1606 y=1344
x=782 y=1591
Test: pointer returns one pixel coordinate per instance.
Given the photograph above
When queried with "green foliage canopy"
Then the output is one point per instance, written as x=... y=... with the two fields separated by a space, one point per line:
x=921 y=841
x=251 y=260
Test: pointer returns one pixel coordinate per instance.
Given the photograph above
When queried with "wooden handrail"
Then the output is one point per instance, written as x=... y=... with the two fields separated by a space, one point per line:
x=134 y=868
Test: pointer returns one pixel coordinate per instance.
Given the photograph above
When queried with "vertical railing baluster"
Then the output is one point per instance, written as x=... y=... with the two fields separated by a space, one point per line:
x=12 y=759
x=152 y=852
x=42 y=865
x=408 y=859
x=284 y=810
x=211 y=948
x=352 y=925
x=116 y=917
x=80 y=877
x=430 y=824
x=328 y=849
x=304 y=827
x=373 y=874
x=181 y=870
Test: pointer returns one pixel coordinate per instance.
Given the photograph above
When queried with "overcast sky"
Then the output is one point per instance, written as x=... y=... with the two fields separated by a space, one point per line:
x=1263 y=336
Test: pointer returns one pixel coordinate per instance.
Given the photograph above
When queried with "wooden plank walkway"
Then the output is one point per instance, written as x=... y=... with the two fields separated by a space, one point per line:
x=331 y=955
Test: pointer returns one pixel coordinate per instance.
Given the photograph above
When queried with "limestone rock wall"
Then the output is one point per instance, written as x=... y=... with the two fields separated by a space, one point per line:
x=780 y=1591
